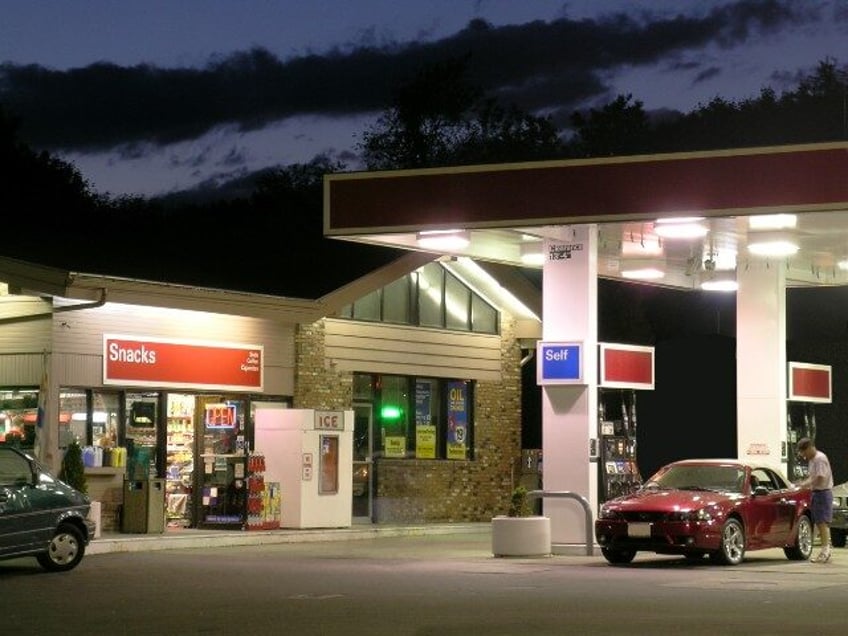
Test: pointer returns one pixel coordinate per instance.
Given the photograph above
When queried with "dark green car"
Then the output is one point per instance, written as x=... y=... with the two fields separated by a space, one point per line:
x=40 y=515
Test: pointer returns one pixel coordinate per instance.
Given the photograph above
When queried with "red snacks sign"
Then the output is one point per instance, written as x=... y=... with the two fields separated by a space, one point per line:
x=162 y=362
x=809 y=382
x=626 y=366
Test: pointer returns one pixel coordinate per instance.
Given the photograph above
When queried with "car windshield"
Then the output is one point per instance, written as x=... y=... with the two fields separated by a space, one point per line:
x=699 y=477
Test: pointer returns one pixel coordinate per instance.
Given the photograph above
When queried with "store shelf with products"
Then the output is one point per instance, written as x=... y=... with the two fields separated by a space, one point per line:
x=180 y=464
x=179 y=472
x=263 y=499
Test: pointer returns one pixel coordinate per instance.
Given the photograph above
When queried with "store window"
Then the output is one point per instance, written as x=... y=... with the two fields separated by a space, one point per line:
x=430 y=293
x=140 y=434
x=457 y=304
x=73 y=417
x=18 y=416
x=363 y=387
x=428 y=297
x=396 y=299
x=89 y=417
x=105 y=417
x=422 y=418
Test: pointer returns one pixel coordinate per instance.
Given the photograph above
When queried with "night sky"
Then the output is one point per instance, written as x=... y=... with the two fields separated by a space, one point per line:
x=156 y=96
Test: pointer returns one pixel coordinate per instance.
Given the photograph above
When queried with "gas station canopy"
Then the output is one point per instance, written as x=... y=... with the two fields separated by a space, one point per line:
x=684 y=218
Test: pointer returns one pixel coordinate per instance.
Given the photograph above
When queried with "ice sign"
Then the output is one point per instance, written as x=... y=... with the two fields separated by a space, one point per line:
x=329 y=420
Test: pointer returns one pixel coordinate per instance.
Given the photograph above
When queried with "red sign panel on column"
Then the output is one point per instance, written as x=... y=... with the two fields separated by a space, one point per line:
x=809 y=382
x=164 y=362
x=626 y=366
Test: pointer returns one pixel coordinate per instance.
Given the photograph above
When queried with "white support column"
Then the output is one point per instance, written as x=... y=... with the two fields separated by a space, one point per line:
x=761 y=362
x=569 y=413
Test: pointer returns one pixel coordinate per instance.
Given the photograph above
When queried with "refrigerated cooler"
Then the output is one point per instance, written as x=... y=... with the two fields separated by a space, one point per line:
x=310 y=454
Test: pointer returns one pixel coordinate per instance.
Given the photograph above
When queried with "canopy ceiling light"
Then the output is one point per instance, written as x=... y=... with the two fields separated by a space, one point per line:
x=777 y=243
x=719 y=281
x=681 y=228
x=772 y=222
x=532 y=254
x=444 y=239
x=643 y=269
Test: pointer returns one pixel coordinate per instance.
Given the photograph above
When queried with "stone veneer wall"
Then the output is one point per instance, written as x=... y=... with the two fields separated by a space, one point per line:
x=416 y=491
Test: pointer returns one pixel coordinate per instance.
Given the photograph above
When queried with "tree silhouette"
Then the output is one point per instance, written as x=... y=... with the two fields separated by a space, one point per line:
x=439 y=118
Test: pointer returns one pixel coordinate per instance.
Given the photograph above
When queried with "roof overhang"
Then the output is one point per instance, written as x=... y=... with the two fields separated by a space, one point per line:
x=509 y=210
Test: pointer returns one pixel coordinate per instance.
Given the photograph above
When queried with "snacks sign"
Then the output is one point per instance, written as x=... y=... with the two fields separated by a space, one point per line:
x=162 y=362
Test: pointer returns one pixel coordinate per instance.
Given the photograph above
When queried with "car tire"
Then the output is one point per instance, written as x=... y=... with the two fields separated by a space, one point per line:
x=838 y=538
x=803 y=547
x=618 y=557
x=732 y=549
x=65 y=550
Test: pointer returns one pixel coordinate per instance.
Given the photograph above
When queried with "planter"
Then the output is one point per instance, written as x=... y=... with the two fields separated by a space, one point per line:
x=521 y=536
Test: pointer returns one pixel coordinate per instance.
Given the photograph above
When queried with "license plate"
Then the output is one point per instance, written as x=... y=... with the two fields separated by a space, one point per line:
x=639 y=530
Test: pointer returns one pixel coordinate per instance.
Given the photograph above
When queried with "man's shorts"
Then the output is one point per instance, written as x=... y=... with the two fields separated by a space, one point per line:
x=821 y=506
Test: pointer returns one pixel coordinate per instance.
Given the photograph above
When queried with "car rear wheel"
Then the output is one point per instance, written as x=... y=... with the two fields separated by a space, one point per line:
x=618 y=557
x=803 y=547
x=838 y=538
x=65 y=551
x=732 y=549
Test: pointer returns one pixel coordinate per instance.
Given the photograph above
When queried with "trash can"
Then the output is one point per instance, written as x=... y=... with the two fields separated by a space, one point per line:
x=144 y=506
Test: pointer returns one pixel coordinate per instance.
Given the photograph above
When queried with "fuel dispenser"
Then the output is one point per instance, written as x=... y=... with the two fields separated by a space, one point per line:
x=808 y=385
x=624 y=370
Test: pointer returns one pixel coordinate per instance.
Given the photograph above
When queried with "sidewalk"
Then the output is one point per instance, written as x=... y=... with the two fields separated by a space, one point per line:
x=175 y=539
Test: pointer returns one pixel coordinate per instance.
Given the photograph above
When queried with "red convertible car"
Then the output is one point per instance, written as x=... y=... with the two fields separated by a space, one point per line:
x=720 y=508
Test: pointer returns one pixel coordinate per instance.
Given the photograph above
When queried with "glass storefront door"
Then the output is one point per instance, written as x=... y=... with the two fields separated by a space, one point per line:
x=363 y=474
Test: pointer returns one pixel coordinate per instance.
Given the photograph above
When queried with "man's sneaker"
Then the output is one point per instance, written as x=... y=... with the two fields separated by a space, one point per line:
x=821 y=557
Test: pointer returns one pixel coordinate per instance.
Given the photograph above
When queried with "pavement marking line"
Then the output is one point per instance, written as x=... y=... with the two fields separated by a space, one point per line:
x=313 y=597
x=752 y=586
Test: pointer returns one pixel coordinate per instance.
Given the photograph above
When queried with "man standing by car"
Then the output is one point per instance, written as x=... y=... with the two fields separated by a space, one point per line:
x=820 y=480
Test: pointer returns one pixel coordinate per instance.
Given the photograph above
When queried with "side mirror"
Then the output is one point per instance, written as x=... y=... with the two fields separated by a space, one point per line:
x=760 y=491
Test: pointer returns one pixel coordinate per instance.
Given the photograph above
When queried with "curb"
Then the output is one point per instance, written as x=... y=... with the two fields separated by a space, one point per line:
x=186 y=539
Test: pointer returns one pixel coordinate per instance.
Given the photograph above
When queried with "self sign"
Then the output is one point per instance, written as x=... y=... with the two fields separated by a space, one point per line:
x=559 y=363
x=329 y=420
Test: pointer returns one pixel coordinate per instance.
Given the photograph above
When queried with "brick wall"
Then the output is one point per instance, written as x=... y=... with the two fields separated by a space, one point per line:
x=415 y=491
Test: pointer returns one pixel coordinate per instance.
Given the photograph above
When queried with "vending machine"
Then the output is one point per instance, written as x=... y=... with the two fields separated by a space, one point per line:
x=309 y=453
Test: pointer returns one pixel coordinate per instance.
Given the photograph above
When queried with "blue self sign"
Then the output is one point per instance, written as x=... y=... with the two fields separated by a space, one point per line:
x=559 y=363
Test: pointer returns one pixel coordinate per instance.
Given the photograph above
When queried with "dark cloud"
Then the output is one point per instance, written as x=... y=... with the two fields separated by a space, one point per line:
x=540 y=66
x=707 y=74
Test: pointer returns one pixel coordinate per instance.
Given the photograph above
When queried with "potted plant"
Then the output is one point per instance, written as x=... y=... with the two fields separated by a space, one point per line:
x=73 y=469
x=520 y=532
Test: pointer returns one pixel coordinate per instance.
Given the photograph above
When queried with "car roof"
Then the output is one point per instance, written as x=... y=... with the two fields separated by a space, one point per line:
x=730 y=461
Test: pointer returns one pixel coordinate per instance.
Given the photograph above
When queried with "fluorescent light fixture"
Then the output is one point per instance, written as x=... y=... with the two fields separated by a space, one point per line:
x=532 y=254
x=772 y=222
x=444 y=239
x=778 y=244
x=723 y=259
x=644 y=269
x=680 y=228
x=719 y=281
x=842 y=265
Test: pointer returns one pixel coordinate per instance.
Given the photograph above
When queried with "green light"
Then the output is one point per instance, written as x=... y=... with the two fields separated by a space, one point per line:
x=391 y=412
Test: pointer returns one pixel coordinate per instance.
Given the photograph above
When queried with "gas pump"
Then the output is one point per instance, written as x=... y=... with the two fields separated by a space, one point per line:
x=801 y=422
x=808 y=384
x=623 y=370
x=618 y=470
